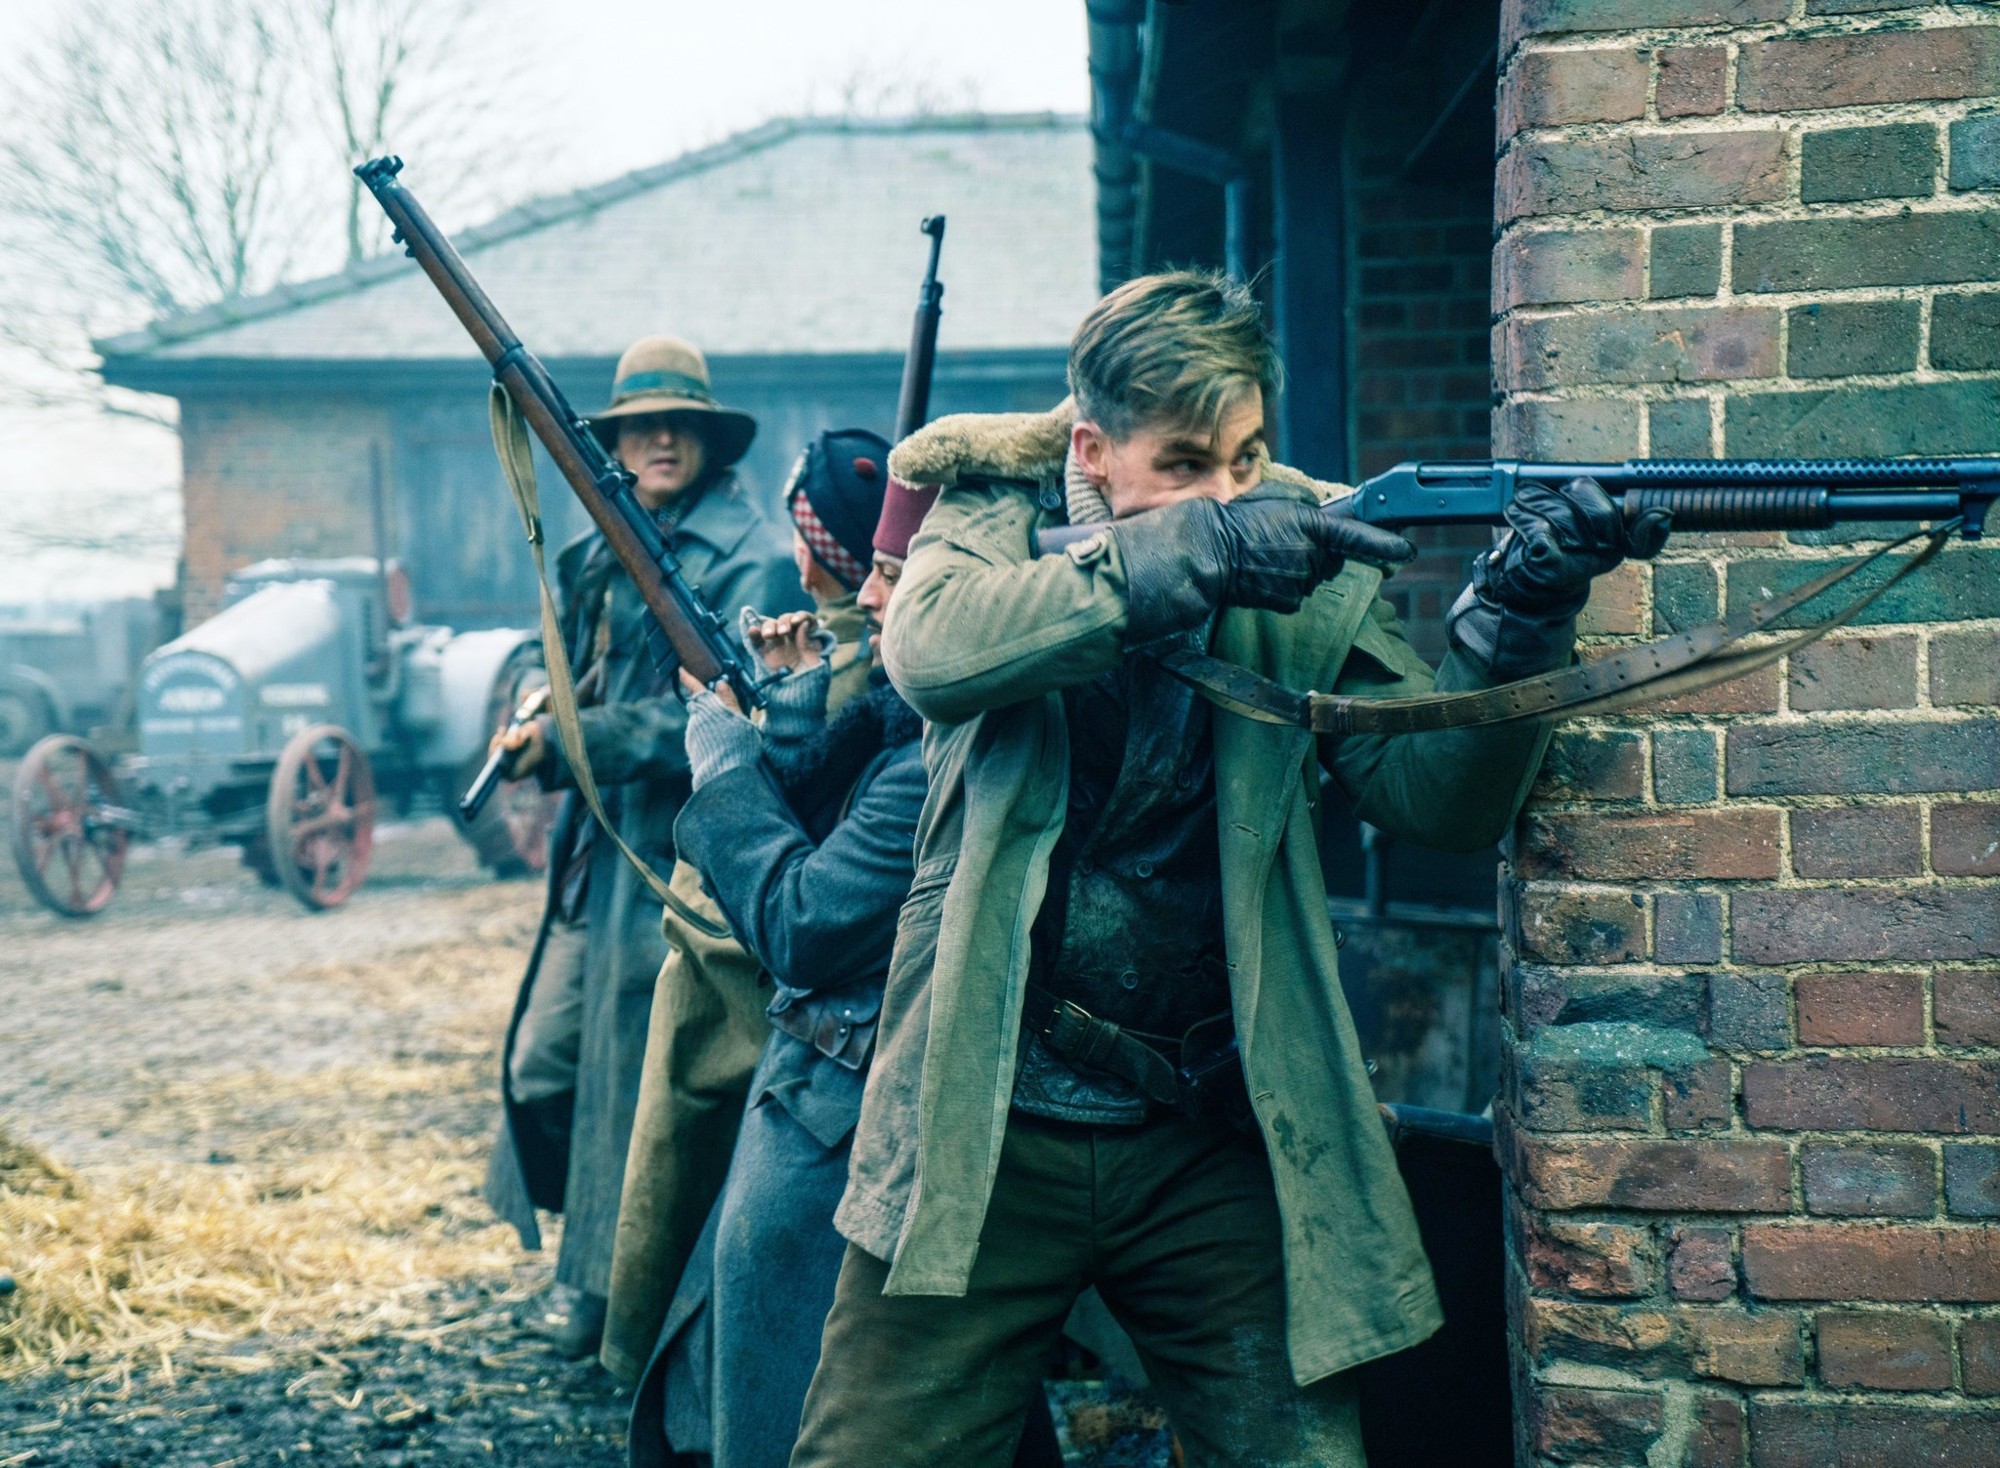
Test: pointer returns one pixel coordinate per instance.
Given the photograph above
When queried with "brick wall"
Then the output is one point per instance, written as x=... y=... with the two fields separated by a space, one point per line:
x=1751 y=1090
x=1419 y=289
x=274 y=476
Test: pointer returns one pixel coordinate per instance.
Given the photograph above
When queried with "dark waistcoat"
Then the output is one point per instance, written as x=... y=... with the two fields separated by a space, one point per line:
x=1131 y=928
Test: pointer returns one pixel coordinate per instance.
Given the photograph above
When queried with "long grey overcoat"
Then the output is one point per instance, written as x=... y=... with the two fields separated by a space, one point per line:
x=818 y=907
x=737 y=552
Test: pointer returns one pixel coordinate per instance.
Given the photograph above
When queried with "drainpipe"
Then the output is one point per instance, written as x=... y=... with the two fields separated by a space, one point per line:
x=1117 y=56
x=1114 y=81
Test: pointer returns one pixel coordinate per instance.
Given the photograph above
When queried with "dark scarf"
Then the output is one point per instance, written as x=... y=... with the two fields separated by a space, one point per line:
x=827 y=767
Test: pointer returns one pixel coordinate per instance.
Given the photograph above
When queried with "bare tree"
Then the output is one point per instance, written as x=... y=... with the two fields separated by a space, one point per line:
x=160 y=155
x=905 y=88
x=446 y=73
x=140 y=175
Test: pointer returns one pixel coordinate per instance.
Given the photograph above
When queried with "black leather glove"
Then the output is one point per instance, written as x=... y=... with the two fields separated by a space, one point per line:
x=1264 y=551
x=1518 y=616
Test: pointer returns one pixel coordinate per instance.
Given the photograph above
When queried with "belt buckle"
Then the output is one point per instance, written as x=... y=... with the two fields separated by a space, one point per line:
x=1076 y=1034
x=1065 y=1009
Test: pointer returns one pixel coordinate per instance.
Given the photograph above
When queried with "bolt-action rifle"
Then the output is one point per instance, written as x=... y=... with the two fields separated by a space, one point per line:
x=1704 y=494
x=913 y=404
x=685 y=629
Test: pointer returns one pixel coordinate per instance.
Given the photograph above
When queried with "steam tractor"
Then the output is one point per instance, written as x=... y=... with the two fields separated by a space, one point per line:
x=277 y=726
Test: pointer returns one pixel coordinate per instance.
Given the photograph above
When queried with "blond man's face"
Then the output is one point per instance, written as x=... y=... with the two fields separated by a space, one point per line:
x=1162 y=464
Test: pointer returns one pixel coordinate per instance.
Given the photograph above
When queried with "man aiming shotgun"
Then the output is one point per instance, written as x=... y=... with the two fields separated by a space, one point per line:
x=1122 y=884
x=1114 y=1050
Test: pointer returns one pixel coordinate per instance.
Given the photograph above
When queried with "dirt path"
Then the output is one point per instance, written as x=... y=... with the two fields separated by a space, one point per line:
x=260 y=1238
x=197 y=972
x=243 y=1208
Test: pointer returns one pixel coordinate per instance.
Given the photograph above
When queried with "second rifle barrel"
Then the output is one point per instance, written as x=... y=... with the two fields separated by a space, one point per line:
x=481 y=789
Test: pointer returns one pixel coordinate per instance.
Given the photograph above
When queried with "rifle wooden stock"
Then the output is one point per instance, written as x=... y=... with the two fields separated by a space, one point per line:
x=692 y=630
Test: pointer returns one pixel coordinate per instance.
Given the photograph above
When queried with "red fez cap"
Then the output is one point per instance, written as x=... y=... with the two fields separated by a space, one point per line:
x=903 y=510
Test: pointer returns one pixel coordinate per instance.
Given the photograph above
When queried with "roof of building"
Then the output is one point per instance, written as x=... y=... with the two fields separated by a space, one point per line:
x=799 y=236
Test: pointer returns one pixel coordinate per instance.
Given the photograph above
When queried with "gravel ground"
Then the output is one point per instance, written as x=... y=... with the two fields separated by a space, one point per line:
x=195 y=957
x=206 y=1033
x=207 y=1025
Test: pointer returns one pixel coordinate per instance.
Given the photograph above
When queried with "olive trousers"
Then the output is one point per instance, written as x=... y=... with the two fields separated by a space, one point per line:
x=1175 y=1223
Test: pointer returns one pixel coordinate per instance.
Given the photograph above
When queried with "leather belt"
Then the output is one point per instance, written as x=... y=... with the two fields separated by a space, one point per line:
x=1683 y=663
x=1074 y=1033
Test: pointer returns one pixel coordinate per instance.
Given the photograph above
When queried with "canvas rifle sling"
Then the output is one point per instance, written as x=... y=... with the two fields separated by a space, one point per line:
x=510 y=442
x=1687 y=661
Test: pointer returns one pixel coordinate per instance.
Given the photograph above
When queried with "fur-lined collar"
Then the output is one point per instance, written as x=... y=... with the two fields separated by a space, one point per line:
x=986 y=446
x=1028 y=446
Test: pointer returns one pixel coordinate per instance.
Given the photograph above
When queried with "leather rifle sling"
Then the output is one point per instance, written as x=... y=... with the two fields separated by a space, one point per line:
x=1687 y=661
x=510 y=442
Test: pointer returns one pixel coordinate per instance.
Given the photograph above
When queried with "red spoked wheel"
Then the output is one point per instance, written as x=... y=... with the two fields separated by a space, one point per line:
x=320 y=818
x=70 y=830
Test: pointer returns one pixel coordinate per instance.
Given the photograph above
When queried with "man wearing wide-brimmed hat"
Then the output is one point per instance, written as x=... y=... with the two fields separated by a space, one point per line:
x=578 y=1036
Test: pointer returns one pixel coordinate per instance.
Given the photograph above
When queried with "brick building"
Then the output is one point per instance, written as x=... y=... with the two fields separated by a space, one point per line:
x=789 y=253
x=1752 y=1089
x=1749 y=1118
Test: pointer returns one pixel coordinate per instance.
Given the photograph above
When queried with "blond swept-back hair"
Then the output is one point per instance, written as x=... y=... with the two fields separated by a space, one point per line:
x=1182 y=348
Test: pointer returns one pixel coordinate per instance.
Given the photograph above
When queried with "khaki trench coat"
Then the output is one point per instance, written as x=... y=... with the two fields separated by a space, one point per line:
x=980 y=639
x=707 y=1031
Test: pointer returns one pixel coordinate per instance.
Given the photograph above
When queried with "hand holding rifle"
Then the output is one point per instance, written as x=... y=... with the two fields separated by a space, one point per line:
x=512 y=753
x=791 y=642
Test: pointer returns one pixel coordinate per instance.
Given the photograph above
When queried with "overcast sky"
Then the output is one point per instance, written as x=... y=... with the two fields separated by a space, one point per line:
x=638 y=81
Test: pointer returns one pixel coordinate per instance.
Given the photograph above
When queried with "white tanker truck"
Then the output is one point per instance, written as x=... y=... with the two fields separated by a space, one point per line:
x=281 y=725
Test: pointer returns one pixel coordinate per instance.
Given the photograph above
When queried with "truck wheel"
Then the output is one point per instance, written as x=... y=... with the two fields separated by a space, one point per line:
x=511 y=835
x=319 y=821
x=70 y=832
x=25 y=720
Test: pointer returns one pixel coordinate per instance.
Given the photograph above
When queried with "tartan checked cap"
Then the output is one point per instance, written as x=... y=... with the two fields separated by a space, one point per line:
x=835 y=498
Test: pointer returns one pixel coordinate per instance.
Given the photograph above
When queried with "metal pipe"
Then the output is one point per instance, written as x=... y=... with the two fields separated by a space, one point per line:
x=1113 y=30
x=1117 y=56
x=1429 y=1121
x=1236 y=227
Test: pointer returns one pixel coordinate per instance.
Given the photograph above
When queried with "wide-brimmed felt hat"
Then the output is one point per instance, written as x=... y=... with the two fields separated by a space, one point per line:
x=663 y=374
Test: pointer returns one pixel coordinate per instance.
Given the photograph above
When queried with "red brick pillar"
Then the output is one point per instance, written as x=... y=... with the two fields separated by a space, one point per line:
x=1751 y=1104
